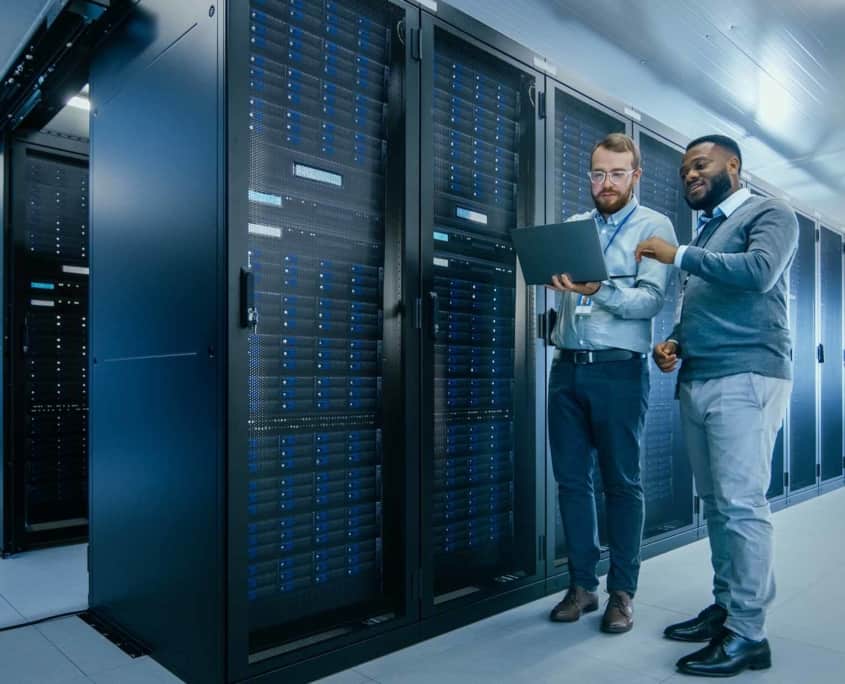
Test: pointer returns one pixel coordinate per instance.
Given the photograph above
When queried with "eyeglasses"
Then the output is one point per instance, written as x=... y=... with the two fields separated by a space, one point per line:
x=616 y=177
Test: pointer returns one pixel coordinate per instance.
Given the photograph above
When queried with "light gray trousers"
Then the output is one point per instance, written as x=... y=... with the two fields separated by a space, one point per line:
x=730 y=425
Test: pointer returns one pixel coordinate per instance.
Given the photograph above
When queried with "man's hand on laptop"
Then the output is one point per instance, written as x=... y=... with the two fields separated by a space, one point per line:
x=562 y=283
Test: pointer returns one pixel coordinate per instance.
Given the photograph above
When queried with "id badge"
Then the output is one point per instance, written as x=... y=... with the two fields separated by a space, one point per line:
x=584 y=306
x=679 y=305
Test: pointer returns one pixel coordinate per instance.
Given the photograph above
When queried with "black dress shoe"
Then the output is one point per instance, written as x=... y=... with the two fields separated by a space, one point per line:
x=707 y=625
x=727 y=656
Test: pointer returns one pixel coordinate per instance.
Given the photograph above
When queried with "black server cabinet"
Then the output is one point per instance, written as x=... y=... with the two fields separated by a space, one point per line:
x=46 y=456
x=777 y=484
x=480 y=179
x=778 y=478
x=802 y=315
x=4 y=221
x=831 y=354
x=666 y=472
x=573 y=126
x=255 y=365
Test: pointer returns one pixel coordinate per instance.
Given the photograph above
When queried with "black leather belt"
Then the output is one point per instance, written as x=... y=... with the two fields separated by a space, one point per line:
x=584 y=356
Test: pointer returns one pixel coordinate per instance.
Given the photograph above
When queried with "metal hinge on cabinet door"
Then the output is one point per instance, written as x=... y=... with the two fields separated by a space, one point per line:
x=696 y=503
x=545 y=326
x=818 y=235
x=820 y=353
x=415 y=36
x=541 y=547
x=818 y=471
x=786 y=479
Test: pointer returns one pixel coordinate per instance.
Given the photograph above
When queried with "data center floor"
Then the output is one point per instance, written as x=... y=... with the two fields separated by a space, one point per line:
x=37 y=584
x=521 y=645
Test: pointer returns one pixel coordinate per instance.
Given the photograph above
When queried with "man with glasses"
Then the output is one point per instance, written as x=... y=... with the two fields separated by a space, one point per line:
x=598 y=388
x=732 y=338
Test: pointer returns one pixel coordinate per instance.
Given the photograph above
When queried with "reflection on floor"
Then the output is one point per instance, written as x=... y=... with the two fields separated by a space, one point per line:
x=805 y=627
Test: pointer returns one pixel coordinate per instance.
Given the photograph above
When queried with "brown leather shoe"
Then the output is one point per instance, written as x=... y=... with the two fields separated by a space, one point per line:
x=619 y=614
x=576 y=602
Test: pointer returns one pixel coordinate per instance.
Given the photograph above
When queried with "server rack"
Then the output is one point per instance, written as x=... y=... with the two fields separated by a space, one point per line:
x=573 y=126
x=327 y=460
x=46 y=459
x=480 y=179
x=831 y=356
x=666 y=472
x=777 y=485
x=802 y=407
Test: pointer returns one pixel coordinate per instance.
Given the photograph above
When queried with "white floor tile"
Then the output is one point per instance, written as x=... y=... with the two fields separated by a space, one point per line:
x=46 y=582
x=814 y=616
x=144 y=670
x=26 y=657
x=346 y=677
x=8 y=615
x=85 y=647
x=642 y=650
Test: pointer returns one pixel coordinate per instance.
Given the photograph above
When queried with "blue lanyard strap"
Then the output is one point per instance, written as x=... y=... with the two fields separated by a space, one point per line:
x=618 y=228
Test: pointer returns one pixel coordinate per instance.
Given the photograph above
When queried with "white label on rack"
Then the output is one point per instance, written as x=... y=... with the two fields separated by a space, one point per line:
x=443 y=237
x=265 y=198
x=543 y=65
x=269 y=231
x=441 y=262
x=428 y=4
x=76 y=270
x=319 y=175
x=469 y=215
x=633 y=113
x=42 y=302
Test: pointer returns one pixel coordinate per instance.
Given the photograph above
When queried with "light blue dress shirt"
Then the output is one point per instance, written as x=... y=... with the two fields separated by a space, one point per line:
x=622 y=310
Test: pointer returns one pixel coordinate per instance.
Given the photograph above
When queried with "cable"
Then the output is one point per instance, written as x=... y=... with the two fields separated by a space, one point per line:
x=40 y=620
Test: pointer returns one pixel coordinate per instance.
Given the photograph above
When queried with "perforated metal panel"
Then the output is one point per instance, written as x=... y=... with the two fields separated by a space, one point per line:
x=478 y=104
x=802 y=415
x=50 y=352
x=318 y=148
x=667 y=480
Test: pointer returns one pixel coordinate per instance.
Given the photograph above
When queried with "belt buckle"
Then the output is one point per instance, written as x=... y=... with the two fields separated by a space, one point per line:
x=583 y=357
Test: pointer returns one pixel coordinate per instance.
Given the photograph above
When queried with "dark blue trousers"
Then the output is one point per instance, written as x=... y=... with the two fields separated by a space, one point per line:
x=600 y=406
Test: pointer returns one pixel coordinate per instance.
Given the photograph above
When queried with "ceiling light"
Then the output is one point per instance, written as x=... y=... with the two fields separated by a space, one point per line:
x=80 y=103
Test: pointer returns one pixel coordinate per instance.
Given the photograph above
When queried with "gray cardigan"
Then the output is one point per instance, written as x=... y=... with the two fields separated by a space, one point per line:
x=734 y=315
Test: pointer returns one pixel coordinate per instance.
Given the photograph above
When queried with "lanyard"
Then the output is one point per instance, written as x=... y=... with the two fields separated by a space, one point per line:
x=582 y=300
x=618 y=228
x=712 y=222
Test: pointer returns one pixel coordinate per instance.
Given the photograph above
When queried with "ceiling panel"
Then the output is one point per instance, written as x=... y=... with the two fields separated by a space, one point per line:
x=774 y=69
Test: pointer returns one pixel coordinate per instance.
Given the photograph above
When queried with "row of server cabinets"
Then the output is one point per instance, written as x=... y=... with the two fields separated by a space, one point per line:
x=318 y=377
x=44 y=492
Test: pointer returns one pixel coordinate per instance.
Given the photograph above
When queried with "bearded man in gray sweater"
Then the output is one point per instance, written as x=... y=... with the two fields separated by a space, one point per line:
x=732 y=340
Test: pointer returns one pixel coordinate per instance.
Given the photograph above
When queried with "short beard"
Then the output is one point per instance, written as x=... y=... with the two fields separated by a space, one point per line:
x=615 y=205
x=720 y=187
